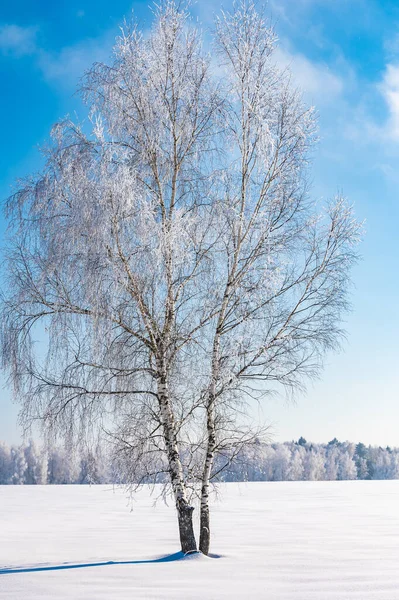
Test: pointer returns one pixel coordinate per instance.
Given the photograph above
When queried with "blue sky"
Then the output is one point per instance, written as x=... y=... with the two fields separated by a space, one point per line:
x=345 y=55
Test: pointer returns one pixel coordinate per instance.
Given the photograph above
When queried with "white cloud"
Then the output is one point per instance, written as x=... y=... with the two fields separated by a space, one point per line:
x=17 y=41
x=62 y=68
x=315 y=79
x=66 y=66
x=69 y=64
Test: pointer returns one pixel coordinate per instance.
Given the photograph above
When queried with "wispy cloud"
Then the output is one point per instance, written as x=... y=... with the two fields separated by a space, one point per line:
x=380 y=126
x=64 y=68
x=17 y=41
x=390 y=91
x=316 y=80
x=61 y=68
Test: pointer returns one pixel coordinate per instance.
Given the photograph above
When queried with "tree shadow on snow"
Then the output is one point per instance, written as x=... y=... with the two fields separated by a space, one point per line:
x=161 y=559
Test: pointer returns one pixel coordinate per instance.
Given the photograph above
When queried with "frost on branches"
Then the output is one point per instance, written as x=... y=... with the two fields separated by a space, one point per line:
x=171 y=257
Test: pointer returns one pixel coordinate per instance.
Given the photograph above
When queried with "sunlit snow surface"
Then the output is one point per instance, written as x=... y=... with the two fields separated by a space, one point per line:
x=293 y=540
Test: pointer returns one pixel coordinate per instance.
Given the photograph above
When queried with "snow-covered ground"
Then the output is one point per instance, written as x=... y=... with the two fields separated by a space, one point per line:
x=290 y=540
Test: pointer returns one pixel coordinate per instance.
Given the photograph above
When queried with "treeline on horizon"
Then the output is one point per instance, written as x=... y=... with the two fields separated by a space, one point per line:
x=28 y=464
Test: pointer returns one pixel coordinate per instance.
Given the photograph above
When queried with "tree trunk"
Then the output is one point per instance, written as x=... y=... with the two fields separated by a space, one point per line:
x=205 y=529
x=184 y=510
x=186 y=529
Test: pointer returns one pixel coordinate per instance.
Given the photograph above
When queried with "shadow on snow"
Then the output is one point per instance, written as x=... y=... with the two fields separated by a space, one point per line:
x=162 y=559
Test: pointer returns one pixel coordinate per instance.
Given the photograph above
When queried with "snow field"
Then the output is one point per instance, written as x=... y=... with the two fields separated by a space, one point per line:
x=278 y=541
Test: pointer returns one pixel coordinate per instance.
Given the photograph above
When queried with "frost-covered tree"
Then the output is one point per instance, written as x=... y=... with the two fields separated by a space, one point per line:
x=36 y=461
x=346 y=466
x=62 y=467
x=296 y=466
x=170 y=259
x=5 y=464
x=332 y=457
x=18 y=465
x=281 y=463
x=282 y=268
x=252 y=462
x=381 y=463
x=314 y=465
x=394 y=466
x=360 y=457
x=110 y=252
x=93 y=468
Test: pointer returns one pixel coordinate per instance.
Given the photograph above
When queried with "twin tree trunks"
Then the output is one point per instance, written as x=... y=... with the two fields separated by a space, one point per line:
x=186 y=529
x=184 y=510
x=129 y=229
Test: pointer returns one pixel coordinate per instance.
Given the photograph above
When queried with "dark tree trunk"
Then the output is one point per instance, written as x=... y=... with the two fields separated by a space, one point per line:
x=186 y=529
x=184 y=510
x=205 y=527
x=205 y=531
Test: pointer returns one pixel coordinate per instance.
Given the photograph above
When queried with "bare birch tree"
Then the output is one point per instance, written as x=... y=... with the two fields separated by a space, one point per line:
x=169 y=257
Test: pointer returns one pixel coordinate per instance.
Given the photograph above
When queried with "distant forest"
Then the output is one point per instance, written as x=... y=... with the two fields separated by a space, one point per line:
x=289 y=461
